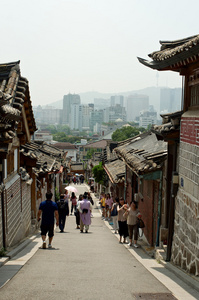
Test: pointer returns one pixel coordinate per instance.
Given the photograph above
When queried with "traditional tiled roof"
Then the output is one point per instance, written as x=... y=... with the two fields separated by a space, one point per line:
x=65 y=146
x=170 y=125
x=97 y=145
x=143 y=153
x=48 y=158
x=115 y=169
x=174 y=54
x=14 y=96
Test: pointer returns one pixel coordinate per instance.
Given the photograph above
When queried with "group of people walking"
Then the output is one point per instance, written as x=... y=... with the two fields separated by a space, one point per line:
x=48 y=210
x=124 y=217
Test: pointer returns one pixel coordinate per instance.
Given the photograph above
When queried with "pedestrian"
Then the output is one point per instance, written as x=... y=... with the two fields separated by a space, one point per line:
x=66 y=195
x=102 y=201
x=63 y=211
x=114 y=214
x=132 y=214
x=47 y=211
x=77 y=214
x=73 y=200
x=90 y=198
x=109 y=203
x=123 y=228
x=85 y=209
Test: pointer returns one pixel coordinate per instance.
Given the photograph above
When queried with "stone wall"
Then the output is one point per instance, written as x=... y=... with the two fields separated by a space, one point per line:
x=146 y=209
x=185 y=247
x=1 y=225
x=17 y=210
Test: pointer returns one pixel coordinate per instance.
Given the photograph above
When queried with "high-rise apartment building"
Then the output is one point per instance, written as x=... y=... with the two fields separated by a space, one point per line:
x=170 y=99
x=84 y=121
x=74 y=118
x=96 y=117
x=117 y=100
x=112 y=113
x=100 y=103
x=68 y=101
x=47 y=115
x=147 y=118
x=135 y=104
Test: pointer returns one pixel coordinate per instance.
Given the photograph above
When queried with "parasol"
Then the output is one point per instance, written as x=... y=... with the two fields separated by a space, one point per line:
x=71 y=189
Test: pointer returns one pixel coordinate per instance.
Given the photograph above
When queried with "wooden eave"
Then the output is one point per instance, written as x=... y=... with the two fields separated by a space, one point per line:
x=167 y=136
x=174 y=56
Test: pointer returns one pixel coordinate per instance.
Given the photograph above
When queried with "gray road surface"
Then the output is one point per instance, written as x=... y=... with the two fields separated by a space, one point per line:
x=86 y=267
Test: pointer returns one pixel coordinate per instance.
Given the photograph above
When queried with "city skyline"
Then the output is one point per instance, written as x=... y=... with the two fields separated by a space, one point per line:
x=85 y=45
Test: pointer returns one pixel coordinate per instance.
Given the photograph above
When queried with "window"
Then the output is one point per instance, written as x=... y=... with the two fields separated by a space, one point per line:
x=194 y=95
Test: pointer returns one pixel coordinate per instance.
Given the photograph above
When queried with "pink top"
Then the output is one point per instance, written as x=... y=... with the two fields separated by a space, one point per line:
x=74 y=200
x=109 y=202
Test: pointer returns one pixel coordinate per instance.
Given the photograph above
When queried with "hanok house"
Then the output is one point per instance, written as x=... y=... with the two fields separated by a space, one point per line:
x=182 y=56
x=115 y=171
x=144 y=157
x=17 y=124
x=45 y=164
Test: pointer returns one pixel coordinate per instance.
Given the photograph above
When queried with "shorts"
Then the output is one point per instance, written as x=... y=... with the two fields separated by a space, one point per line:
x=47 y=229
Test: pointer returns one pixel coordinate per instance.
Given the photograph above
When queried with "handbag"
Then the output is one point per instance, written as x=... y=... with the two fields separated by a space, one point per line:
x=114 y=212
x=140 y=223
x=85 y=211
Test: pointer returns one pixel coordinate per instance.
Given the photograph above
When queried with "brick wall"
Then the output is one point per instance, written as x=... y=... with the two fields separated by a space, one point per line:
x=185 y=247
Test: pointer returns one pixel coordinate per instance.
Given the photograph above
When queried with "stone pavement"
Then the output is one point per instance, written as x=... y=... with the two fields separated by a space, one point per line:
x=88 y=266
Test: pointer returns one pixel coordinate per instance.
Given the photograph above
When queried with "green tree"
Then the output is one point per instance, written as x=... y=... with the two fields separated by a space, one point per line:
x=124 y=133
x=90 y=153
x=99 y=173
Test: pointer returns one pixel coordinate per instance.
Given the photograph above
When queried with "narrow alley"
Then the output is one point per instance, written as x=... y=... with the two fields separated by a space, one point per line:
x=88 y=267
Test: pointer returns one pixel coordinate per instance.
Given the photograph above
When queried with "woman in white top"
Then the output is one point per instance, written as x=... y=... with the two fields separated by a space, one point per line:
x=132 y=214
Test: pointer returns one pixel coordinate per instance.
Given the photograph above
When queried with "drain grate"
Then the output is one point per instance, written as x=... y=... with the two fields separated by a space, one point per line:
x=154 y=296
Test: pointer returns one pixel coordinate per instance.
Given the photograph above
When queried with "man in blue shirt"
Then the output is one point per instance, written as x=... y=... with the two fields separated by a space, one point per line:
x=48 y=209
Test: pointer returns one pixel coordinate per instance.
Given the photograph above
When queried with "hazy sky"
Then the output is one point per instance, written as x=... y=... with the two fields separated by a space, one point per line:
x=91 y=45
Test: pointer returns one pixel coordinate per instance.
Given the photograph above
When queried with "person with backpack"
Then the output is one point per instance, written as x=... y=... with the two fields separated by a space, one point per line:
x=63 y=211
x=47 y=212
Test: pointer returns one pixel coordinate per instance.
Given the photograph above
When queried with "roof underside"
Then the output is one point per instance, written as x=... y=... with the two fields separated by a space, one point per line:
x=174 y=55
x=14 y=95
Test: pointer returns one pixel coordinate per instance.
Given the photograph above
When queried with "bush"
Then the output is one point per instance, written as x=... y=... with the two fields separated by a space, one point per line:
x=2 y=252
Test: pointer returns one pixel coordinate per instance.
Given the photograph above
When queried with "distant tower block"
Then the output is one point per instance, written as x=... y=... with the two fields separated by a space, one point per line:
x=157 y=78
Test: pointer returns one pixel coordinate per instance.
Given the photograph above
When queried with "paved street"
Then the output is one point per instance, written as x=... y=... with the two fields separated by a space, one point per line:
x=88 y=266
